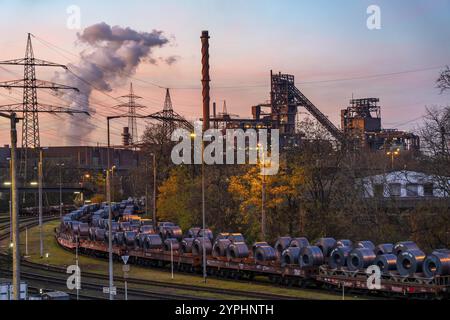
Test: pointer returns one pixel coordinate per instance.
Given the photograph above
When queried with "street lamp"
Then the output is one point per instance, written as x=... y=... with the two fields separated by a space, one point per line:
x=263 y=193
x=60 y=165
x=393 y=154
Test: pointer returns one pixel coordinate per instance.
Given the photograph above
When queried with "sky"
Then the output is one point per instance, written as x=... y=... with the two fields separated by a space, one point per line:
x=325 y=44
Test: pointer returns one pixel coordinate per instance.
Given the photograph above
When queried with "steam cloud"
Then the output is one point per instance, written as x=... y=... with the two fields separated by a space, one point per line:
x=112 y=55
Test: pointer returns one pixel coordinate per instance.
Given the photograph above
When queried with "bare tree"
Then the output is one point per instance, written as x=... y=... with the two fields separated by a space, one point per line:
x=443 y=82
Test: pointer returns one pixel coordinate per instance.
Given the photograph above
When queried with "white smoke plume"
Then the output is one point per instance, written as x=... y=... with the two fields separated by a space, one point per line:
x=112 y=54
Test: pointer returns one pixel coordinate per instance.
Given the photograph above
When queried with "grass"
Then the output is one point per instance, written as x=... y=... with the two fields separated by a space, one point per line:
x=60 y=257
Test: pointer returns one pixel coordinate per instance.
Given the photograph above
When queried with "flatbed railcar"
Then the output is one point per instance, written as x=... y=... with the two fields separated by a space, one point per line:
x=392 y=284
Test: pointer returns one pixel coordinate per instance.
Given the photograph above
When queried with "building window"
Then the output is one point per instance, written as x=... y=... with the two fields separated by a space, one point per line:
x=428 y=190
x=395 y=189
x=412 y=190
x=378 y=190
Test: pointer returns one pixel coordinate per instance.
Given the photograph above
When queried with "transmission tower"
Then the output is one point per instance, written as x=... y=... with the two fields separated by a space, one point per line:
x=170 y=119
x=30 y=106
x=131 y=113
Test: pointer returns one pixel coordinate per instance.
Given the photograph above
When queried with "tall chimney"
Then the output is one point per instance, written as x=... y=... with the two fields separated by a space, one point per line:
x=205 y=79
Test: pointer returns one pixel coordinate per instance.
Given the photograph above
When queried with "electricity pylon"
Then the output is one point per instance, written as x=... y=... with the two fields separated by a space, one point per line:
x=30 y=106
x=131 y=105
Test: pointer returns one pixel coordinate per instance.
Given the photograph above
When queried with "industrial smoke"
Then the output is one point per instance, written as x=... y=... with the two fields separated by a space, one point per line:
x=111 y=55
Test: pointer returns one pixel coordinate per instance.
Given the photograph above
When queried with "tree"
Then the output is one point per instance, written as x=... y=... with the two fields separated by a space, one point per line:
x=443 y=82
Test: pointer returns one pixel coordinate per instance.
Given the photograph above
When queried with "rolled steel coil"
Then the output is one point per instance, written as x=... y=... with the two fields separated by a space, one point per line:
x=220 y=247
x=125 y=226
x=237 y=250
x=147 y=229
x=206 y=233
x=310 y=256
x=171 y=244
x=99 y=234
x=299 y=242
x=119 y=238
x=386 y=262
x=107 y=236
x=186 y=245
x=265 y=253
x=83 y=230
x=365 y=244
x=338 y=257
x=344 y=243
x=115 y=226
x=281 y=245
x=290 y=256
x=437 y=264
x=193 y=232
x=360 y=258
x=92 y=233
x=152 y=241
x=384 y=248
x=410 y=262
x=404 y=246
x=130 y=238
x=257 y=244
x=197 y=246
x=223 y=235
x=140 y=240
x=135 y=227
x=326 y=245
x=236 y=237
x=169 y=232
x=74 y=227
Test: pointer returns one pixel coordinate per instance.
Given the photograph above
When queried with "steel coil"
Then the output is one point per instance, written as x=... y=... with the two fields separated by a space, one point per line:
x=152 y=241
x=310 y=256
x=223 y=235
x=147 y=229
x=360 y=258
x=386 y=262
x=237 y=250
x=384 y=248
x=299 y=242
x=265 y=253
x=107 y=236
x=115 y=226
x=193 y=232
x=281 y=245
x=290 y=256
x=92 y=233
x=437 y=264
x=83 y=230
x=326 y=245
x=125 y=226
x=344 y=243
x=206 y=233
x=365 y=244
x=404 y=246
x=220 y=247
x=236 y=237
x=257 y=244
x=338 y=257
x=186 y=245
x=119 y=238
x=140 y=240
x=171 y=232
x=130 y=238
x=99 y=234
x=197 y=246
x=410 y=262
x=171 y=244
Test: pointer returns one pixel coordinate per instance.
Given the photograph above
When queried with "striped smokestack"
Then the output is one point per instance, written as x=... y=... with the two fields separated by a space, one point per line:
x=205 y=79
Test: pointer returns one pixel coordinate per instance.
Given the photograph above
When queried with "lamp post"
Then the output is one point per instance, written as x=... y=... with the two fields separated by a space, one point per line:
x=108 y=195
x=154 y=190
x=393 y=154
x=41 y=240
x=60 y=165
x=263 y=193
x=8 y=184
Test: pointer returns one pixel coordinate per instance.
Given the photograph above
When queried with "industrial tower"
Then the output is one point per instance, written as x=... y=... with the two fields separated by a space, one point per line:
x=131 y=134
x=30 y=106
